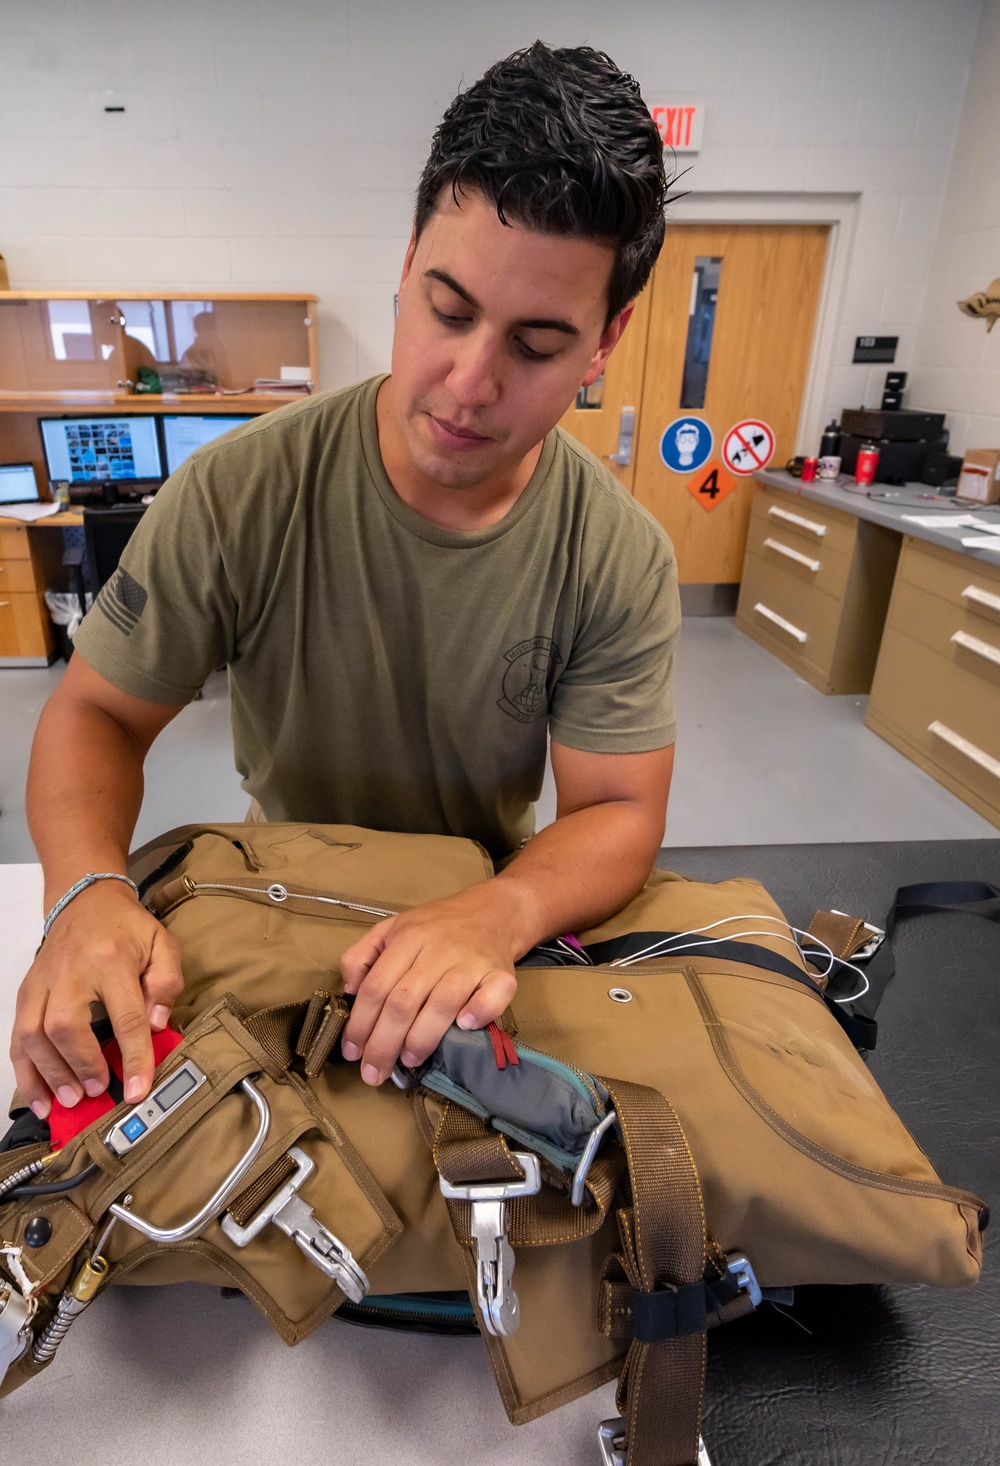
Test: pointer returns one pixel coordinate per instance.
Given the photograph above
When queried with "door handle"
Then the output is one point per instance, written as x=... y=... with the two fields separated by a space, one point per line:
x=626 y=433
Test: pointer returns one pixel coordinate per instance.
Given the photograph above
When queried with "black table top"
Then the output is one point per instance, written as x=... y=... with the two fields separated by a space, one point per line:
x=861 y=1376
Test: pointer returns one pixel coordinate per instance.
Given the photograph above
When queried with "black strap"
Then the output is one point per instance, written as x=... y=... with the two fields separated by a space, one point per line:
x=969 y=898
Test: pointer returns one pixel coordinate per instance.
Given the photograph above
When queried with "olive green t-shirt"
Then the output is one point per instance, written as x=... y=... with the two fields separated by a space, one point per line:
x=385 y=672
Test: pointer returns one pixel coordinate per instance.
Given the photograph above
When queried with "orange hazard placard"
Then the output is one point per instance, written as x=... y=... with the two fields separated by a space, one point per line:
x=711 y=484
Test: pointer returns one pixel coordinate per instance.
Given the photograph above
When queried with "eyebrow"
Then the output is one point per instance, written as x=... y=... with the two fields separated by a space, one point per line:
x=539 y=324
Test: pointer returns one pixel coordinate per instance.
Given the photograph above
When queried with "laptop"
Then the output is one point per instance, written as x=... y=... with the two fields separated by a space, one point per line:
x=18 y=484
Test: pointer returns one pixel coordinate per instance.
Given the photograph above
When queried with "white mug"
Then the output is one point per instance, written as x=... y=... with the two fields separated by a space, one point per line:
x=828 y=467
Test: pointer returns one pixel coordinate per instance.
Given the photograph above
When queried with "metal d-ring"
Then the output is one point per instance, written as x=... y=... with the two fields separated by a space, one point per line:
x=215 y=1203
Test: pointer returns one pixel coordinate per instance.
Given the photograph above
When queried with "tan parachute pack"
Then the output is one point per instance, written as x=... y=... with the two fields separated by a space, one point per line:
x=709 y=1132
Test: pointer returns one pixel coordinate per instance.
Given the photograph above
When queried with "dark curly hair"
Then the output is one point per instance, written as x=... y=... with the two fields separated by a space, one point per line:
x=559 y=140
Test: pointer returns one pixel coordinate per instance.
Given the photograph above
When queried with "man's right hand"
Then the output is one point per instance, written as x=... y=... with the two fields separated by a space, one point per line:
x=104 y=947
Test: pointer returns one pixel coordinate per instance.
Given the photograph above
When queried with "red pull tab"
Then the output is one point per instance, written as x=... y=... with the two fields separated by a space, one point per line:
x=503 y=1046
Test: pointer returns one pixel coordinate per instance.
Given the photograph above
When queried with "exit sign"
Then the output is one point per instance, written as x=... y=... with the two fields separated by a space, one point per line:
x=680 y=124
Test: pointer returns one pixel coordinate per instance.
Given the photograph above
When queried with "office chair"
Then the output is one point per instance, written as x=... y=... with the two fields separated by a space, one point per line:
x=106 y=532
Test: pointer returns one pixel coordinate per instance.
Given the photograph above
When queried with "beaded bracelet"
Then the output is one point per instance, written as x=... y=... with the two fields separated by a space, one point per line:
x=81 y=885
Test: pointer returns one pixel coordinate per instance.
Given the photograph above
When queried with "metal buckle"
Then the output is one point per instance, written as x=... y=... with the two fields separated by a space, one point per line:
x=611 y=1439
x=221 y=1197
x=287 y=1210
x=587 y=1159
x=744 y=1276
x=494 y=1255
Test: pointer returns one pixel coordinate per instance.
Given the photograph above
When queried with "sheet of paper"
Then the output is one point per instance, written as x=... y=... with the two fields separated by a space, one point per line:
x=982 y=542
x=28 y=513
x=937 y=521
x=992 y=526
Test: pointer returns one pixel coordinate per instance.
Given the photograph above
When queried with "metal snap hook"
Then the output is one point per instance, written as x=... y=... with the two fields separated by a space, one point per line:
x=619 y=995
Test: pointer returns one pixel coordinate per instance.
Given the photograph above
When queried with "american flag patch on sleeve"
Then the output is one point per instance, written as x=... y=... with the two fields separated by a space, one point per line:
x=123 y=601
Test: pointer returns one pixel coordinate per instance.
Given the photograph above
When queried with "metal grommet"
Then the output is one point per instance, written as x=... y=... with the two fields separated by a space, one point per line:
x=277 y=893
x=619 y=995
x=189 y=885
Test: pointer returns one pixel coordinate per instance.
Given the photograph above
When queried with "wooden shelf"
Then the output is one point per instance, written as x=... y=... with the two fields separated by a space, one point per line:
x=55 y=403
x=111 y=294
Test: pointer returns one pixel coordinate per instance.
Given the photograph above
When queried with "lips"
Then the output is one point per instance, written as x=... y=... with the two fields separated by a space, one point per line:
x=450 y=435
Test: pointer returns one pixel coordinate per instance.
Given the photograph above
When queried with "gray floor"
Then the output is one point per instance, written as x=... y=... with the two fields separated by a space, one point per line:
x=762 y=758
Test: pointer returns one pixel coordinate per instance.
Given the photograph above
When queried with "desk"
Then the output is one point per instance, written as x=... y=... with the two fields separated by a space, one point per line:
x=168 y=1375
x=856 y=600
x=30 y=562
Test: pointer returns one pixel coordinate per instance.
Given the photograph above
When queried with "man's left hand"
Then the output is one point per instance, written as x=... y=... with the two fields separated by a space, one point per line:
x=418 y=973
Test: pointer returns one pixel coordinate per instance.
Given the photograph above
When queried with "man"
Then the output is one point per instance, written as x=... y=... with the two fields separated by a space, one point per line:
x=411 y=581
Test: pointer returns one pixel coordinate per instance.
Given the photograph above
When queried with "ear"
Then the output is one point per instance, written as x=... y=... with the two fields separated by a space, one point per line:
x=609 y=340
x=408 y=259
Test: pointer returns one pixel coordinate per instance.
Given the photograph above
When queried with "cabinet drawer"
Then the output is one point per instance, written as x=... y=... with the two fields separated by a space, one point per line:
x=958 y=579
x=961 y=636
x=947 y=714
x=20 y=575
x=816 y=564
x=808 y=524
x=14 y=543
x=25 y=629
x=801 y=619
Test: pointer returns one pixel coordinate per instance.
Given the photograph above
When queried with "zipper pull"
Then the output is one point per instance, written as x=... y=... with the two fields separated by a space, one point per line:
x=504 y=1051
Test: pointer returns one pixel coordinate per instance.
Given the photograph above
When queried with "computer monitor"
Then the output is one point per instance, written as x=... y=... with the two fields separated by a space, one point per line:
x=184 y=432
x=18 y=484
x=100 y=450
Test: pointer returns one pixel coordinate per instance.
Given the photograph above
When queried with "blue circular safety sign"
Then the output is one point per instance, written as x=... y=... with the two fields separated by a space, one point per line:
x=686 y=444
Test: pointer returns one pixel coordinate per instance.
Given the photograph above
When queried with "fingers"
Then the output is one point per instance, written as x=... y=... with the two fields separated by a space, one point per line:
x=404 y=1010
x=54 y=1051
x=130 y=1022
x=359 y=959
x=163 y=980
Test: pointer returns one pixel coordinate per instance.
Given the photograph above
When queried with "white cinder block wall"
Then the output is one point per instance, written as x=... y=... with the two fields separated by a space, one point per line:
x=276 y=146
x=956 y=365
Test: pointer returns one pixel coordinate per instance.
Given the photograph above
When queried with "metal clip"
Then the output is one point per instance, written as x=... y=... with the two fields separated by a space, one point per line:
x=494 y=1255
x=611 y=1439
x=287 y=1211
x=16 y=1313
x=587 y=1159
x=744 y=1276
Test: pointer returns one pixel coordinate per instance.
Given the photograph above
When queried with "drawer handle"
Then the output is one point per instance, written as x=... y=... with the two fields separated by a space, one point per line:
x=810 y=524
x=991 y=765
x=792 y=554
x=981 y=648
x=983 y=597
x=763 y=610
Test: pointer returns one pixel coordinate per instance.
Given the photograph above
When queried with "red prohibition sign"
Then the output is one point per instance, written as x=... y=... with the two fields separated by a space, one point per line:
x=748 y=446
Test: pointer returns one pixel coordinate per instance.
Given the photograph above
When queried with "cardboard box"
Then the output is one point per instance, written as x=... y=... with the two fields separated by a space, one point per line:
x=979 y=481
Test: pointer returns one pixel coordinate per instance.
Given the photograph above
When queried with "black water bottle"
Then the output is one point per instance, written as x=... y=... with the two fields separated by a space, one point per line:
x=829 y=446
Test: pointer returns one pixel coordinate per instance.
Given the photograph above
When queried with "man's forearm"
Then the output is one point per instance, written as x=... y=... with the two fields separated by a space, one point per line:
x=84 y=792
x=575 y=872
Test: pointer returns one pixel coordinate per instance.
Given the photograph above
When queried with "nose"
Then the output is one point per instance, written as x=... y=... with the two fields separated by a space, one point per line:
x=476 y=378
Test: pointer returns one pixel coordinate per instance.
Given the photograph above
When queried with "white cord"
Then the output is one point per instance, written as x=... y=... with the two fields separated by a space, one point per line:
x=664 y=947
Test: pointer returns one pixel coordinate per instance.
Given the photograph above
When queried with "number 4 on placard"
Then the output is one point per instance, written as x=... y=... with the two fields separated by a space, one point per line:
x=711 y=484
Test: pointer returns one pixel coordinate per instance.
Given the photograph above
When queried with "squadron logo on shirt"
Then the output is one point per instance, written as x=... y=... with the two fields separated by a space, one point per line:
x=526 y=680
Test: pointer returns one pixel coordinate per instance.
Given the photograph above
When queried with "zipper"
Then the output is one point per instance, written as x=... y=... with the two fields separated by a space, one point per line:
x=279 y=894
x=580 y=1079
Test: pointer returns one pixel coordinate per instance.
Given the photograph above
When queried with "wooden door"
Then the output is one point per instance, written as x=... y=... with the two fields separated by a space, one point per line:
x=768 y=289
x=598 y=425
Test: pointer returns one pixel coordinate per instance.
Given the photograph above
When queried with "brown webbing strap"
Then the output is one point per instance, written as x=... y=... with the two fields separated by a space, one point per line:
x=275 y=1029
x=466 y=1152
x=250 y=1200
x=664 y=1250
x=842 y=934
x=322 y=1026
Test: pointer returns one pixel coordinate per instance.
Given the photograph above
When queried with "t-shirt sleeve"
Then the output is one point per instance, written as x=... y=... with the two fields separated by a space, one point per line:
x=616 y=693
x=167 y=617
